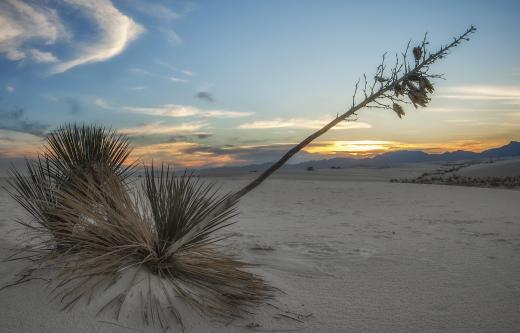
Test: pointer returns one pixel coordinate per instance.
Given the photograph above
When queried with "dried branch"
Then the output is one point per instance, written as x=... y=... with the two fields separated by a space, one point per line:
x=403 y=80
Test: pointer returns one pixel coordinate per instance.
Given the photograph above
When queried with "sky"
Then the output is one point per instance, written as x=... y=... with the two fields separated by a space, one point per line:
x=210 y=83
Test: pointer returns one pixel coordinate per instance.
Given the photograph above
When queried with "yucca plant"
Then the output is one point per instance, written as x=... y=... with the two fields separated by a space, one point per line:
x=70 y=152
x=117 y=232
x=74 y=150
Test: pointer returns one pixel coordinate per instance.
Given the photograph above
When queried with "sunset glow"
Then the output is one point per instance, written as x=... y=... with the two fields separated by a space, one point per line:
x=203 y=84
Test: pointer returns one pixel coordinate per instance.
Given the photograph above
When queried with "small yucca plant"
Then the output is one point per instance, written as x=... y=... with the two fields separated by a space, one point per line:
x=70 y=152
x=74 y=150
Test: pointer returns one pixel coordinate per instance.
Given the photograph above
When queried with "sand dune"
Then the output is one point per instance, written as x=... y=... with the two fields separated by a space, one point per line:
x=496 y=169
x=349 y=256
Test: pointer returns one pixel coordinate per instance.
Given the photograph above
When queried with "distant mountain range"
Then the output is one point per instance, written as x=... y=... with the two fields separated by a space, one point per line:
x=512 y=149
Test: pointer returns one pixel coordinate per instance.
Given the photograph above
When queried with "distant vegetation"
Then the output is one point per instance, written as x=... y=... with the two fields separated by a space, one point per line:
x=444 y=176
x=507 y=182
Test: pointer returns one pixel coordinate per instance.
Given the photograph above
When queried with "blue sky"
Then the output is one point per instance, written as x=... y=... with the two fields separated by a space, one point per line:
x=206 y=83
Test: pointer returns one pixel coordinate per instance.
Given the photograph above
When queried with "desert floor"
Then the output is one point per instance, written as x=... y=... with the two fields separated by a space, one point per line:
x=349 y=251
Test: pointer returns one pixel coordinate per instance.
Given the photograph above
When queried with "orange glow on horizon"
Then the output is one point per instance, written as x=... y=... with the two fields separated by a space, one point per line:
x=182 y=154
x=194 y=155
x=370 y=148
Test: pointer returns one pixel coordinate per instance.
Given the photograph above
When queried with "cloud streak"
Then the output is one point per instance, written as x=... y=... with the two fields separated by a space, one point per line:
x=17 y=121
x=301 y=123
x=178 y=111
x=159 y=128
x=184 y=154
x=508 y=94
x=116 y=32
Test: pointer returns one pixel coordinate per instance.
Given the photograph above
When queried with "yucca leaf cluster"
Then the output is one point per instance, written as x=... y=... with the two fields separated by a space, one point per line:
x=91 y=224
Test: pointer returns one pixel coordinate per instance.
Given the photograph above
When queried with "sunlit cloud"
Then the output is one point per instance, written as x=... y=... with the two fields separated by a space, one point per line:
x=177 y=79
x=370 y=148
x=447 y=110
x=183 y=154
x=301 y=123
x=508 y=94
x=195 y=155
x=355 y=148
x=175 y=110
x=225 y=114
x=99 y=102
x=21 y=23
x=117 y=31
x=167 y=110
x=42 y=56
x=160 y=128
x=15 y=144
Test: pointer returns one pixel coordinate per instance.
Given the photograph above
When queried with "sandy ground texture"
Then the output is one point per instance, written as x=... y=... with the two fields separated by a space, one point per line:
x=356 y=254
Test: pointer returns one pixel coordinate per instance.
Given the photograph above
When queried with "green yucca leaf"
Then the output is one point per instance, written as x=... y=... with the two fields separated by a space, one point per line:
x=73 y=149
x=184 y=206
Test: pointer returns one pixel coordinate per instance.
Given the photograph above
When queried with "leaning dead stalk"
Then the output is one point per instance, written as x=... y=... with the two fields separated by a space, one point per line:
x=386 y=91
x=409 y=75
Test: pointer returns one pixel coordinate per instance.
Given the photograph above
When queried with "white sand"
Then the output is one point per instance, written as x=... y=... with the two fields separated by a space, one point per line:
x=496 y=169
x=350 y=256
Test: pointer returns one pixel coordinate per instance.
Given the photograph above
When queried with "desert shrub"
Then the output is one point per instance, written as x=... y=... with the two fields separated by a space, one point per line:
x=168 y=230
x=70 y=152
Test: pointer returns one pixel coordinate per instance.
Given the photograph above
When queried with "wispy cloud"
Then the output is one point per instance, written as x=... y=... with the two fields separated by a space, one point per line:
x=177 y=75
x=101 y=103
x=171 y=36
x=507 y=94
x=174 y=69
x=177 y=79
x=116 y=32
x=163 y=16
x=160 y=128
x=184 y=154
x=22 y=22
x=447 y=110
x=16 y=120
x=10 y=89
x=140 y=71
x=42 y=56
x=166 y=110
x=174 y=110
x=155 y=10
x=137 y=88
x=300 y=123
